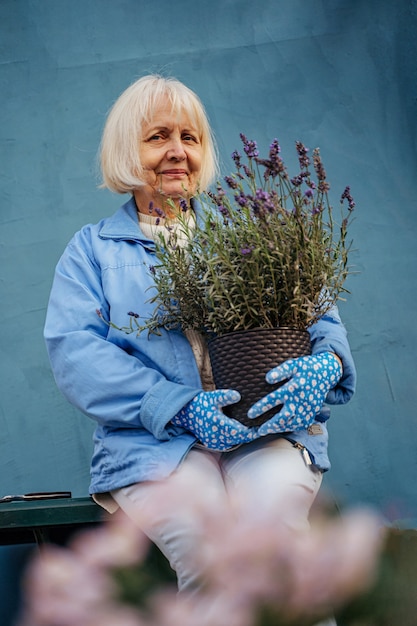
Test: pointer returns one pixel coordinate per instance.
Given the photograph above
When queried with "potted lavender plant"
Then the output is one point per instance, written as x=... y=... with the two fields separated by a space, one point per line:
x=266 y=260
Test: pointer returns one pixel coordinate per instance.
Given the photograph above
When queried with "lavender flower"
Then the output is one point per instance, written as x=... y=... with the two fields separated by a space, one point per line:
x=323 y=185
x=250 y=147
x=231 y=182
x=223 y=210
x=317 y=209
x=160 y=212
x=302 y=155
x=297 y=181
x=274 y=150
x=263 y=202
x=236 y=156
x=217 y=198
x=248 y=172
x=347 y=196
x=274 y=166
x=183 y=205
x=242 y=199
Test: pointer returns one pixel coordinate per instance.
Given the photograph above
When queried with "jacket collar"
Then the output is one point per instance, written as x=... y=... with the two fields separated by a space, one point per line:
x=124 y=224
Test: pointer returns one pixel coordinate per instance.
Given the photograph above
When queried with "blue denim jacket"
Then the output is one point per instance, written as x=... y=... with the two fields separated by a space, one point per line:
x=132 y=386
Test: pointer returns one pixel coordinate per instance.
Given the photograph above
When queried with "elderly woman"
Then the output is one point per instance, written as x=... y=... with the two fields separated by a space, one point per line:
x=143 y=392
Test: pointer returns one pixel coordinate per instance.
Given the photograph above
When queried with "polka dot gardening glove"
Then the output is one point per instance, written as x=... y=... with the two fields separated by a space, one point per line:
x=204 y=418
x=310 y=379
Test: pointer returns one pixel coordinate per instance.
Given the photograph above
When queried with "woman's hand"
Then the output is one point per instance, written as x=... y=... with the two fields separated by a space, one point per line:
x=309 y=379
x=204 y=418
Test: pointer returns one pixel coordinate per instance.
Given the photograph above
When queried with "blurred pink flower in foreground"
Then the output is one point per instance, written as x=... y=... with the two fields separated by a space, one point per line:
x=250 y=562
x=116 y=543
x=75 y=586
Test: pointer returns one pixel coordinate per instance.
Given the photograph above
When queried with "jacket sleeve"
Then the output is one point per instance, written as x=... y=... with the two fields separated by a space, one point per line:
x=100 y=378
x=329 y=335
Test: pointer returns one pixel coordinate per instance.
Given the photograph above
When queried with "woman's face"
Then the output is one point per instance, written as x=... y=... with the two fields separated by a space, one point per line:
x=171 y=155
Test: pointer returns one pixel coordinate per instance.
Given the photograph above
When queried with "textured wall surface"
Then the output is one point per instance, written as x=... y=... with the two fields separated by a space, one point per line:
x=336 y=74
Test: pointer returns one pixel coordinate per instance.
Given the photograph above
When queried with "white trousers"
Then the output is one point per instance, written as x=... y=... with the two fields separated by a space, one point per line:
x=267 y=477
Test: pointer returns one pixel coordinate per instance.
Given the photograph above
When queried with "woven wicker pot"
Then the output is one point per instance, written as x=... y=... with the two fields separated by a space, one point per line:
x=241 y=359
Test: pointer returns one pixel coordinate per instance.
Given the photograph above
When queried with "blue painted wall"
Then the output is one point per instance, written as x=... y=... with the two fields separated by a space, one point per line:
x=336 y=74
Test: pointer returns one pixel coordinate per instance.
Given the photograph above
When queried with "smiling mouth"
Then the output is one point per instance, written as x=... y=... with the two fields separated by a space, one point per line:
x=174 y=172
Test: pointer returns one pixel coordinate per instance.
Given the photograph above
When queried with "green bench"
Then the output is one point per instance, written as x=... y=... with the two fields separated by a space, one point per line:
x=40 y=521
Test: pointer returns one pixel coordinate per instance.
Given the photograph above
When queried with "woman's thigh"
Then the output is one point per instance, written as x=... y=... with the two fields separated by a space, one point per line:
x=175 y=525
x=271 y=478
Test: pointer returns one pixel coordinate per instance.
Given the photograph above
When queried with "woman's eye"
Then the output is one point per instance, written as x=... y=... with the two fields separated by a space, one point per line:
x=188 y=137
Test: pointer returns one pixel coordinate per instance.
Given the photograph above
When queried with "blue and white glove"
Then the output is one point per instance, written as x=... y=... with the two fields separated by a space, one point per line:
x=203 y=417
x=310 y=379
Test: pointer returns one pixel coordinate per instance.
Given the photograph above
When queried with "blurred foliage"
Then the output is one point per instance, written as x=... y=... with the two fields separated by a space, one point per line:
x=392 y=601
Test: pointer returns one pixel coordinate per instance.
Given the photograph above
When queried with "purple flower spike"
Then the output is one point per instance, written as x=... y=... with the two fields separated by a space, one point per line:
x=297 y=180
x=323 y=186
x=237 y=158
x=274 y=166
x=248 y=171
x=347 y=196
x=274 y=149
x=276 y=163
x=302 y=154
x=241 y=199
x=250 y=147
x=231 y=182
x=223 y=210
x=159 y=212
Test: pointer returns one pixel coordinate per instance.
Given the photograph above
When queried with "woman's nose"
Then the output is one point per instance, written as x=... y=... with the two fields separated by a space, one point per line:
x=176 y=150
